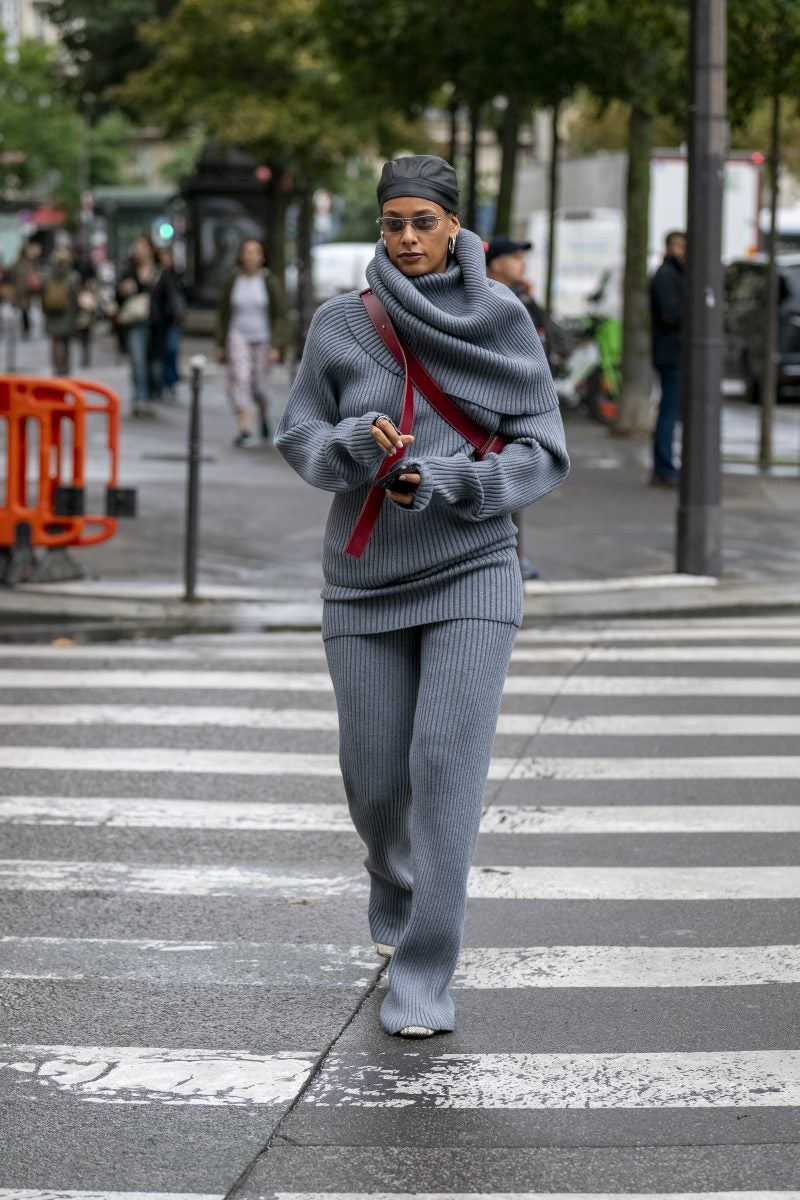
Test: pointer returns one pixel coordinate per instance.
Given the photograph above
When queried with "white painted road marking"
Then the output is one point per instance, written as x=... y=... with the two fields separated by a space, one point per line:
x=161 y=716
x=253 y=762
x=721 y=1079
x=299 y=681
x=142 y=1075
x=260 y=964
x=325 y=720
x=485 y=883
x=127 y=813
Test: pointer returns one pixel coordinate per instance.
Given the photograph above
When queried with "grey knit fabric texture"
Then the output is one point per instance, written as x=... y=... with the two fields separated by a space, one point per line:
x=453 y=554
x=419 y=631
x=417 y=715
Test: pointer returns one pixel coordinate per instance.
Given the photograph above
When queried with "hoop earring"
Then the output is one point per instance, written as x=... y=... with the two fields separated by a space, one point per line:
x=451 y=245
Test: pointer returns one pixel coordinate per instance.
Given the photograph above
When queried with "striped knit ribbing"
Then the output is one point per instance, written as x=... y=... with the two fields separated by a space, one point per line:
x=418 y=709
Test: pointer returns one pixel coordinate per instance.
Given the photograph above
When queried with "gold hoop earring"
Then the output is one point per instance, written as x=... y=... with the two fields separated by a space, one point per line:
x=451 y=245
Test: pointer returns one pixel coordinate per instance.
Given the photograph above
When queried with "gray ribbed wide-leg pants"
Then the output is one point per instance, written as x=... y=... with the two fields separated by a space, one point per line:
x=417 y=715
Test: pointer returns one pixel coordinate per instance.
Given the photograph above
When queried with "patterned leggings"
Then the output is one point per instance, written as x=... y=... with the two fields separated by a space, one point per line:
x=417 y=715
x=248 y=367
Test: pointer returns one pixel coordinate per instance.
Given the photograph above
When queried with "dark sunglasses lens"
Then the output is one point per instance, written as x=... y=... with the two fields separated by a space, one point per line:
x=425 y=224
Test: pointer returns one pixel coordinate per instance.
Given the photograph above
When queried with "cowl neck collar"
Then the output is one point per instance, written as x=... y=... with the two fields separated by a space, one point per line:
x=473 y=335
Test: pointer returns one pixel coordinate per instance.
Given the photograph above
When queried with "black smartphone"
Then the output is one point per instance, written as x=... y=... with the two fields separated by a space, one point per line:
x=393 y=483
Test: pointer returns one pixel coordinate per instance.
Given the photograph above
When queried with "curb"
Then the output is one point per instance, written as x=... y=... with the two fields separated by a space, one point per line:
x=120 y=604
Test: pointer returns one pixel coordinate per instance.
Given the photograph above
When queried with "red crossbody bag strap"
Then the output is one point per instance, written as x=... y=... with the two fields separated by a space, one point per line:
x=417 y=376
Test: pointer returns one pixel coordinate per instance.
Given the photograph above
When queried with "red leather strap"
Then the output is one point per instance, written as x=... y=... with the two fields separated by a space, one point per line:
x=416 y=376
x=365 y=521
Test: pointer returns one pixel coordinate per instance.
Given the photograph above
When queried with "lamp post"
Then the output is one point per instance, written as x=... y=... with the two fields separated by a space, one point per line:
x=699 y=532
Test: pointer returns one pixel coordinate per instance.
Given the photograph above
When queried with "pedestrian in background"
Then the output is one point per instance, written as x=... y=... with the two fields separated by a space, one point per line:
x=666 y=311
x=88 y=301
x=419 y=625
x=170 y=303
x=26 y=283
x=134 y=295
x=505 y=263
x=251 y=336
x=60 y=307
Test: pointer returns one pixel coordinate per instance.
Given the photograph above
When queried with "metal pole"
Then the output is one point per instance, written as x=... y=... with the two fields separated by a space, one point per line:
x=769 y=378
x=699 y=532
x=193 y=481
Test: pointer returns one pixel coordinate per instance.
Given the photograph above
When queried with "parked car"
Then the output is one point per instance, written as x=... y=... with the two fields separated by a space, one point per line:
x=745 y=312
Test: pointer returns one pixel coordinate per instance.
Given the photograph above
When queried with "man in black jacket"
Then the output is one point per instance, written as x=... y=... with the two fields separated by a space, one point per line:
x=666 y=309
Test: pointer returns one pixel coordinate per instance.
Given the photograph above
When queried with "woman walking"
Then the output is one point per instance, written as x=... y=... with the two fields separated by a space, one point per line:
x=134 y=318
x=422 y=603
x=251 y=336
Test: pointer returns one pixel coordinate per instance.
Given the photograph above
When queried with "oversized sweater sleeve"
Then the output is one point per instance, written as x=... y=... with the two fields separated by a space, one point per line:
x=337 y=455
x=532 y=464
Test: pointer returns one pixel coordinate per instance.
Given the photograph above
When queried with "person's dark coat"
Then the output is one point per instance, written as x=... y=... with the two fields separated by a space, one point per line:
x=666 y=312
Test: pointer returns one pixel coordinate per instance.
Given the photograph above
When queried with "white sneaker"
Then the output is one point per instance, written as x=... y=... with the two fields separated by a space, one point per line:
x=384 y=950
x=417 y=1031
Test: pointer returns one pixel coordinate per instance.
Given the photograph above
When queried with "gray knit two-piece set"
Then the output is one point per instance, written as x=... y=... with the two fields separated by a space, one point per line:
x=419 y=631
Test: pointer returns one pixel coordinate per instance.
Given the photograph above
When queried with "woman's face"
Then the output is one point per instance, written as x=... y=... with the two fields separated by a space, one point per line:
x=414 y=251
x=140 y=251
x=251 y=257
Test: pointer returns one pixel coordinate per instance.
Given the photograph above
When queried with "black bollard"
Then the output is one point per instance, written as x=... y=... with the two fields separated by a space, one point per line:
x=193 y=481
x=11 y=322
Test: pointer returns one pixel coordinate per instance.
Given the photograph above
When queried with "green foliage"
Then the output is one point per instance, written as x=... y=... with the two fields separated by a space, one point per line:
x=596 y=126
x=41 y=135
x=257 y=76
x=753 y=132
x=101 y=39
x=764 y=54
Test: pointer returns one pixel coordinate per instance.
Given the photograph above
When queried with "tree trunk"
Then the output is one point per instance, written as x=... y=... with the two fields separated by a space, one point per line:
x=305 y=226
x=276 y=204
x=634 y=409
x=455 y=108
x=552 y=206
x=471 y=210
x=769 y=378
x=509 y=145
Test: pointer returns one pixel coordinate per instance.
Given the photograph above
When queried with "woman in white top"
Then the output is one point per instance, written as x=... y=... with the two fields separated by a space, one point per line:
x=251 y=335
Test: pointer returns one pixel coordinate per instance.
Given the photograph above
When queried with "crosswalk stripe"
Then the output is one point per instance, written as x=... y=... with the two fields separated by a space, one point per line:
x=721 y=1079
x=325 y=720
x=128 y=813
x=259 y=964
x=300 y=681
x=153 y=1074
x=27 y=715
x=485 y=882
x=658 y=725
x=241 y=762
x=758 y=630
x=125 y=652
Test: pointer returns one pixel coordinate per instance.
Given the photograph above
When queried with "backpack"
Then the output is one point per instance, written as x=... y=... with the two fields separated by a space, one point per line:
x=55 y=295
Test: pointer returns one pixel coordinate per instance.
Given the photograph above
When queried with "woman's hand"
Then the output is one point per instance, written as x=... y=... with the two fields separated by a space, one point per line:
x=388 y=438
x=406 y=498
x=274 y=355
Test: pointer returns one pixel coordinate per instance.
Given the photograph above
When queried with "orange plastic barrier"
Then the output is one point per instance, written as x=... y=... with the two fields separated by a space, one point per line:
x=50 y=511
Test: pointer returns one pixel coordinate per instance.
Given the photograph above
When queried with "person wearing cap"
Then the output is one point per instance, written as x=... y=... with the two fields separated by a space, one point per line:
x=419 y=628
x=505 y=262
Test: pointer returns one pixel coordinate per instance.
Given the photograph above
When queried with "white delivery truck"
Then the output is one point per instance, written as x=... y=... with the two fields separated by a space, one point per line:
x=590 y=242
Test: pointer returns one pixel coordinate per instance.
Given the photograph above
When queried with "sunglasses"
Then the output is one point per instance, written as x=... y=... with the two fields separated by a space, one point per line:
x=424 y=223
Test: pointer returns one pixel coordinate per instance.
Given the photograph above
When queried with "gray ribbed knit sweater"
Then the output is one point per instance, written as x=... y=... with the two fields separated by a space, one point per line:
x=453 y=553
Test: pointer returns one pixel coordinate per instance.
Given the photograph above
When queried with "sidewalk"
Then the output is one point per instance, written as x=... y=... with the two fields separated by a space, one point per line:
x=604 y=543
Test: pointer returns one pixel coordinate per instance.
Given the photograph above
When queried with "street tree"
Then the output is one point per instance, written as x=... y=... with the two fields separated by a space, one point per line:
x=42 y=148
x=639 y=58
x=102 y=45
x=259 y=77
x=764 y=66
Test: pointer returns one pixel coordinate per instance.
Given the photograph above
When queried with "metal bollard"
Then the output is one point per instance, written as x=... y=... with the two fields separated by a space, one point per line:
x=197 y=364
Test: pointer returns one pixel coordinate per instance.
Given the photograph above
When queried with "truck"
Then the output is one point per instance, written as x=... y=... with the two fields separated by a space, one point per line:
x=590 y=241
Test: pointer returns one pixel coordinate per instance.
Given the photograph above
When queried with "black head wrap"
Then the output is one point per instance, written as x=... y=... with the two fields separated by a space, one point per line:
x=422 y=175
